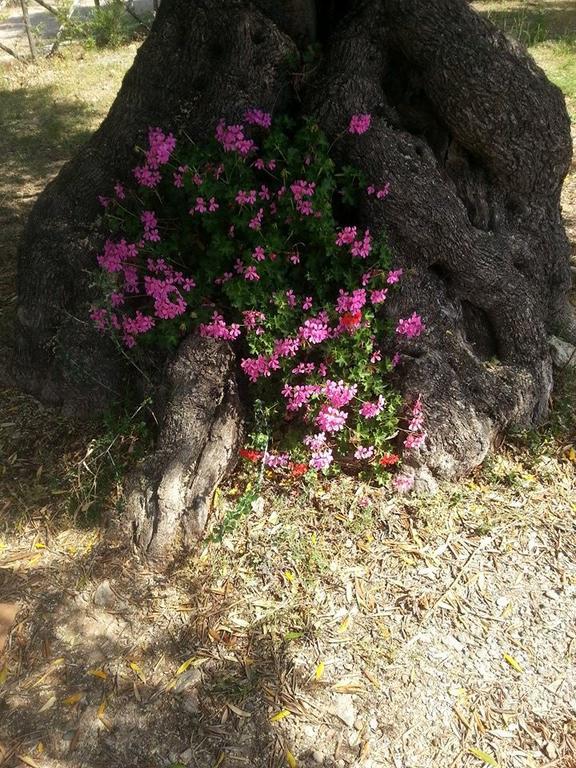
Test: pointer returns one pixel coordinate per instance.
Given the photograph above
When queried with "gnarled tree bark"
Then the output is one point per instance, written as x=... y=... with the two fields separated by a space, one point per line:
x=474 y=142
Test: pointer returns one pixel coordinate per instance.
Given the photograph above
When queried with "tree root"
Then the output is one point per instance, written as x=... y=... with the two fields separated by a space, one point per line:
x=168 y=497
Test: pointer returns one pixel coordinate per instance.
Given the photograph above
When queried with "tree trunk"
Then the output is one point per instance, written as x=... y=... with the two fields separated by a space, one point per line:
x=474 y=142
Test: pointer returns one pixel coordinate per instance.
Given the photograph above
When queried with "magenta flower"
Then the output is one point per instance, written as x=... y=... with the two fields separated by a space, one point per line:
x=232 y=138
x=346 y=236
x=331 y=419
x=377 y=297
x=338 y=393
x=251 y=273
x=370 y=410
x=258 y=117
x=394 y=276
x=410 y=327
x=359 y=123
x=246 y=198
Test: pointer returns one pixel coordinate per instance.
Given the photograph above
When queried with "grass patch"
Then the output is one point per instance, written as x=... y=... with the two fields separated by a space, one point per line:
x=548 y=30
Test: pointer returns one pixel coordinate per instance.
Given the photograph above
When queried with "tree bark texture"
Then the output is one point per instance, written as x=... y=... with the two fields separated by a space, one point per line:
x=475 y=144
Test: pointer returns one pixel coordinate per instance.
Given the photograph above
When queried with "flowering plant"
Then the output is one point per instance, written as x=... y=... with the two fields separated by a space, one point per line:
x=250 y=238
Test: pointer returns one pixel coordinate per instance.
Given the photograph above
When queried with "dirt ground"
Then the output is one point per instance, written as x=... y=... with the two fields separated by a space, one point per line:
x=333 y=625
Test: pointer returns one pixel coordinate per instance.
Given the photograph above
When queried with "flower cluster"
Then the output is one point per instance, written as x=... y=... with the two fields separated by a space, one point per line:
x=238 y=241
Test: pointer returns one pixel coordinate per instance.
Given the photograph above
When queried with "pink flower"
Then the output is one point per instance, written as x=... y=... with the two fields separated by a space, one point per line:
x=307 y=303
x=359 y=123
x=351 y=302
x=161 y=146
x=361 y=248
x=256 y=222
x=338 y=393
x=291 y=298
x=383 y=191
x=411 y=327
x=246 y=198
x=276 y=460
x=224 y=278
x=394 y=276
x=403 y=483
x=321 y=459
x=213 y=205
x=253 y=320
x=232 y=138
x=258 y=117
x=367 y=277
x=218 y=329
x=315 y=442
x=100 y=318
x=396 y=359
x=146 y=176
x=370 y=410
x=417 y=416
x=331 y=419
x=377 y=297
x=364 y=452
x=414 y=440
x=304 y=368
x=258 y=253
x=119 y=191
x=346 y=236
x=251 y=273
x=315 y=330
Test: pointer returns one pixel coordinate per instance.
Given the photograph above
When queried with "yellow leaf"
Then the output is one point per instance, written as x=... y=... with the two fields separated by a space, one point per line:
x=102 y=707
x=137 y=671
x=289 y=576
x=3 y=673
x=290 y=759
x=512 y=662
x=98 y=673
x=344 y=624
x=280 y=715
x=319 y=670
x=571 y=454
x=183 y=667
x=484 y=756
x=40 y=545
x=74 y=698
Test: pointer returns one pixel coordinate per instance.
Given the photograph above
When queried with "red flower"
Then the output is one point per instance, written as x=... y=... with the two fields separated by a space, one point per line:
x=250 y=455
x=351 y=319
x=299 y=469
x=389 y=459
